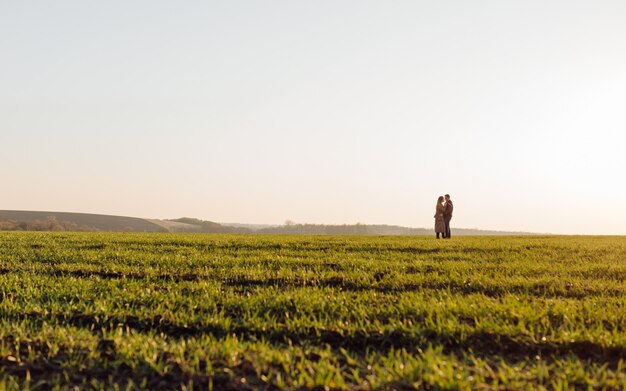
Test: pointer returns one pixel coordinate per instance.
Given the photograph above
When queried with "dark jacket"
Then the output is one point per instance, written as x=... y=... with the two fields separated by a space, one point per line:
x=447 y=209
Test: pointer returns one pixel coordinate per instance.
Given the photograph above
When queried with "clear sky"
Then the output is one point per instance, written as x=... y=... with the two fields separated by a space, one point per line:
x=318 y=111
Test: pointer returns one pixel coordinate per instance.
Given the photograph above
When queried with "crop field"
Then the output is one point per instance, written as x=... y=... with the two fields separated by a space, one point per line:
x=236 y=312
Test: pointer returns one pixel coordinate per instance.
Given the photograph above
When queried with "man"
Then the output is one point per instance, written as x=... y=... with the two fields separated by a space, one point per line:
x=447 y=216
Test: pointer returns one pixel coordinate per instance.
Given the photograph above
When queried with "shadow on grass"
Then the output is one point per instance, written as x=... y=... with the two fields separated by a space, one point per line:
x=488 y=345
x=79 y=368
x=536 y=289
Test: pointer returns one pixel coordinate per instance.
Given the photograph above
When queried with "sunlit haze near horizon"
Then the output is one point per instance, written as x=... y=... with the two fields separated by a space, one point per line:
x=325 y=112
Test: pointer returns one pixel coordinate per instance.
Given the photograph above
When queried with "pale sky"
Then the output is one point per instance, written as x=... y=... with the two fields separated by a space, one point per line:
x=318 y=111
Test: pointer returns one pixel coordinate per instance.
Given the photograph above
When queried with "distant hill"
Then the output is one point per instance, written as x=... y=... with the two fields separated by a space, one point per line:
x=61 y=221
x=208 y=226
x=64 y=221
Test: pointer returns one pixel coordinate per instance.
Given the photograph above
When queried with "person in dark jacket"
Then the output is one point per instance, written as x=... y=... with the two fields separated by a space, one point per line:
x=447 y=216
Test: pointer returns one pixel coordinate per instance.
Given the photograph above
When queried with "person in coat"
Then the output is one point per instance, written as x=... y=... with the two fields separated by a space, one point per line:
x=447 y=216
x=440 y=227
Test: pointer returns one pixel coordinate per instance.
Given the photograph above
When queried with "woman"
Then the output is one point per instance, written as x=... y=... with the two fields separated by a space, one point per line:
x=440 y=226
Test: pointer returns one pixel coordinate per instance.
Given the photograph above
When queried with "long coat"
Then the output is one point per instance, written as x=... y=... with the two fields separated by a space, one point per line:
x=440 y=226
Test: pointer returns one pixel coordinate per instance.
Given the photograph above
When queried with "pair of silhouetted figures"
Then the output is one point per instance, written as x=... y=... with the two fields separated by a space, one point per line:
x=443 y=215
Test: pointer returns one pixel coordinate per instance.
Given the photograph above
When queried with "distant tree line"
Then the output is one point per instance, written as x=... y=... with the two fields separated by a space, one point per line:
x=365 y=229
x=210 y=227
x=343 y=229
x=292 y=228
x=50 y=224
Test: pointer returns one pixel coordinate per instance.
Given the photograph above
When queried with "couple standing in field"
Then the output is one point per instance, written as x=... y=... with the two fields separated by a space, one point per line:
x=443 y=215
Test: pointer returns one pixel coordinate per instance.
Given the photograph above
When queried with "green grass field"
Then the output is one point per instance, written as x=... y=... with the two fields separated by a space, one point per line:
x=174 y=311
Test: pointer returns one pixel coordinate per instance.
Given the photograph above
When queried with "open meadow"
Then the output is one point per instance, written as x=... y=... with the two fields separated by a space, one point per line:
x=194 y=311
